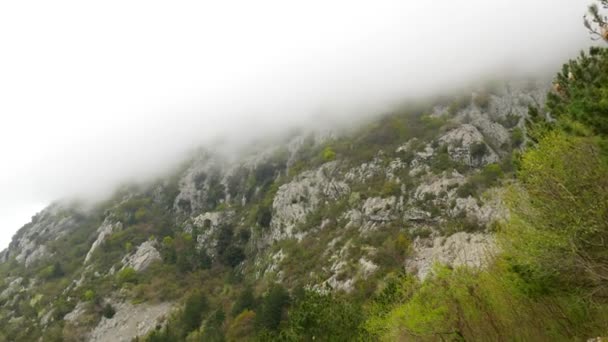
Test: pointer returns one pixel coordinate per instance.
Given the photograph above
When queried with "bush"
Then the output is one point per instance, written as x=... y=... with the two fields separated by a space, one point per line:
x=53 y=271
x=517 y=137
x=467 y=305
x=329 y=154
x=245 y=301
x=196 y=305
x=264 y=216
x=242 y=327
x=126 y=275
x=488 y=177
x=233 y=255
x=478 y=150
x=272 y=308
x=390 y=188
x=490 y=174
x=324 y=317
x=89 y=295
x=108 y=311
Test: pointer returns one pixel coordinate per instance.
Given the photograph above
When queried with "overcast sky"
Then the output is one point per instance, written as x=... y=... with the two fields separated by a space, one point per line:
x=93 y=93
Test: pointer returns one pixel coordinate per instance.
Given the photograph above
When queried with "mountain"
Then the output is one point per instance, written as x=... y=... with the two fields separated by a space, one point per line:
x=326 y=235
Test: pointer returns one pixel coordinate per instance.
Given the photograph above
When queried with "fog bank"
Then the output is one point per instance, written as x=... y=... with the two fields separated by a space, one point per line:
x=92 y=94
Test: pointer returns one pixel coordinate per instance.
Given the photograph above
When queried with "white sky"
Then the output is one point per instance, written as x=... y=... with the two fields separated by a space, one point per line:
x=92 y=93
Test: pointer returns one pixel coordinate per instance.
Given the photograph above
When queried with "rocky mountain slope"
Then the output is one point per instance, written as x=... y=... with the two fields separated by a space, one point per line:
x=330 y=211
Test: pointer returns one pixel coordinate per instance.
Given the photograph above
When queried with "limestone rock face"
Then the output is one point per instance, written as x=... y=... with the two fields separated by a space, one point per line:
x=106 y=228
x=379 y=209
x=75 y=314
x=460 y=249
x=207 y=225
x=461 y=143
x=29 y=244
x=492 y=209
x=13 y=287
x=145 y=255
x=129 y=321
x=300 y=197
x=415 y=215
x=493 y=131
x=199 y=183
x=446 y=184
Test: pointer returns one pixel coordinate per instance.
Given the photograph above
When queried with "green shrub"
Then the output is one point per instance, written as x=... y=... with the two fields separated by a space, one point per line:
x=478 y=149
x=517 y=137
x=390 y=188
x=431 y=122
x=233 y=255
x=242 y=327
x=510 y=121
x=491 y=173
x=89 y=295
x=108 y=311
x=329 y=154
x=245 y=301
x=323 y=317
x=53 y=271
x=196 y=305
x=273 y=305
x=126 y=275
x=488 y=177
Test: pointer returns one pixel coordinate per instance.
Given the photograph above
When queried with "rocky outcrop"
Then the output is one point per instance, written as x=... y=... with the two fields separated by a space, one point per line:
x=445 y=186
x=295 y=200
x=207 y=225
x=29 y=244
x=491 y=209
x=76 y=313
x=466 y=145
x=201 y=185
x=143 y=257
x=416 y=215
x=378 y=211
x=460 y=249
x=130 y=321
x=105 y=230
x=366 y=267
x=376 y=167
x=14 y=286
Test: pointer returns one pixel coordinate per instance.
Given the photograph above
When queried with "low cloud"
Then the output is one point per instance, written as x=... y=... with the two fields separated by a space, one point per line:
x=94 y=94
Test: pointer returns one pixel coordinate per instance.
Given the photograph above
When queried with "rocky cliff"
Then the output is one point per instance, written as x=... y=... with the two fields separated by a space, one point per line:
x=328 y=211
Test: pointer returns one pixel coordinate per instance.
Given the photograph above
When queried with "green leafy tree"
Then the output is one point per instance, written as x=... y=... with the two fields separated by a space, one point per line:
x=242 y=327
x=559 y=228
x=196 y=305
x=273 y=306
x=245 y=301
x=324 y=317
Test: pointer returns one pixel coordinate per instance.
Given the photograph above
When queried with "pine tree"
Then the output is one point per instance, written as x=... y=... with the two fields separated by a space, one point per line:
x=596 y=22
